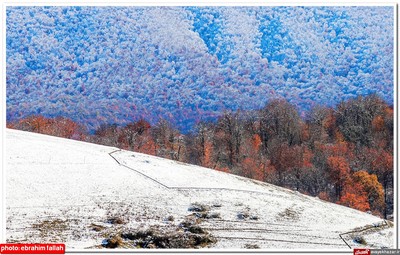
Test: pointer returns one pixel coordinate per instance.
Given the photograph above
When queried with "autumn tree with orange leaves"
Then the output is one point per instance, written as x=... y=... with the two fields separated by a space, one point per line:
x=372 y=188
x=354 y=196
x=339 y=171
x=59 y=126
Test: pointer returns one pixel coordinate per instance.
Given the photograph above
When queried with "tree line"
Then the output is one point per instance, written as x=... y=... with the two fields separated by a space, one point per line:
x=342 y=154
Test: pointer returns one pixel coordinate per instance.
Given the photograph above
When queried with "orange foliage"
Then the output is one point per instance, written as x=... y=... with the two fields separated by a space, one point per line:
x=222 y=169
x=339 y=171
x=339 y=168
x=251 y=146
x=342 y=149
x=329 y=121
x=252 y=169
x=382 y=161
x=67 y=128
x=252 y=165
x=372 y=187
x=339 y=137
x=355 y=197
x=10 y=125
x=324 y=196
x=148 y=146
x=378 y=123
x=61 y=127
x=288 y=158
x=208 y=150
x=256 y=142
x=389 y=112
x=307 y=158
x=35 y=123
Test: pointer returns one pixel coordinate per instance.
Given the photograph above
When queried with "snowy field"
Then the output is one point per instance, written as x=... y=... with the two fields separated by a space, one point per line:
x=61 y=190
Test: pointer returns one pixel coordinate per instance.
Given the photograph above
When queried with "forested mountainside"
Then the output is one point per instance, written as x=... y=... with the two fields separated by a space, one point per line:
x=104 y=65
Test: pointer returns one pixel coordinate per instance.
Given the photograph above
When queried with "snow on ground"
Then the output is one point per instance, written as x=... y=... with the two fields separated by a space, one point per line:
x=378 y=239
x=61 y=190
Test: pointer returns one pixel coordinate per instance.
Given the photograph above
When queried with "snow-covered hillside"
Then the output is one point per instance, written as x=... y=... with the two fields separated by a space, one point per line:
x=85 y=195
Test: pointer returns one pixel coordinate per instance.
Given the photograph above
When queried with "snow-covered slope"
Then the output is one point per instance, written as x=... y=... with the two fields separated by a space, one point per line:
x=61 y=190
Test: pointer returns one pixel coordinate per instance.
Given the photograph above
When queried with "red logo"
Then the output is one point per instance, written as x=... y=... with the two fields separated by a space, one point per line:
x=362 y=252
x=37 y=248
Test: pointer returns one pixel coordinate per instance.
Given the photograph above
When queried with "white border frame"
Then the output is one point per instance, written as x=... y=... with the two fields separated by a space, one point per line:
x=6 y=3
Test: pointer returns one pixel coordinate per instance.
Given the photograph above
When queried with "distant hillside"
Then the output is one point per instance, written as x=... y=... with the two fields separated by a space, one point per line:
x=118 y=64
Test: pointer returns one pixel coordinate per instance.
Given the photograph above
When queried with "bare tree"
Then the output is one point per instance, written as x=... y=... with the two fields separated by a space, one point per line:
x=229 y=136
x=281 y=121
